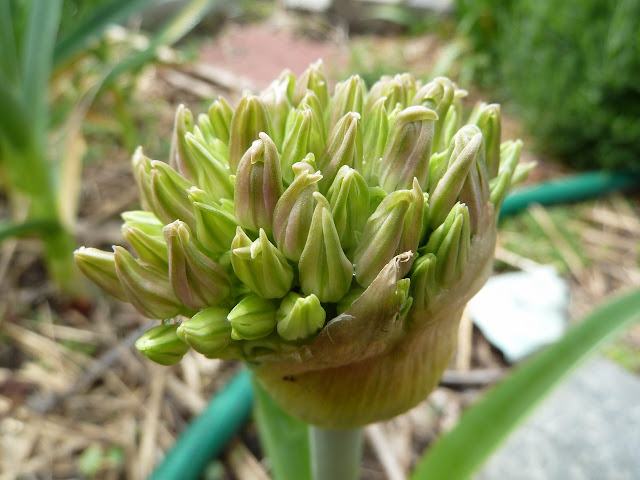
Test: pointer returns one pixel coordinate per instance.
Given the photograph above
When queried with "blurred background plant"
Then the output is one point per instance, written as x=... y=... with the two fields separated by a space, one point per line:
x=570 y=68
x=55 y=61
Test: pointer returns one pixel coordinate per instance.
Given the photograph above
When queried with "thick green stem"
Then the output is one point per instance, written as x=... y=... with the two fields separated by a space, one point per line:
x=335 y=454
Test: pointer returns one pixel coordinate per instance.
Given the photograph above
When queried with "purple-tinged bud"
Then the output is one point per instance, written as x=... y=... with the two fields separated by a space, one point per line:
x=475 y=192
x=141 y=165
x=312 y=79
x=198 y=281
x=348 y=97
x=376 y=132
x=349 y=200
x=169 y=193
x=147 y=287
x=424 y=282
x=408 y=149
x=150 y=249
x=208 y=332
x=215 y=226
x=212 y=174
x=489 y=123
x=162 y=345
x=253 y=317
x=343 y=148
x=462 y=153
x=299 y=317
x=99 y=267
x=399 y=89
x=452 y=121
x=249 y=119
x=509 y=156
x=180 y=157
x=294 y=211
x=395 y=227
x=277 y=98
x=437 y=95
x=260 y=265
x=220 y=114
x=324 y=269
x=258 y=185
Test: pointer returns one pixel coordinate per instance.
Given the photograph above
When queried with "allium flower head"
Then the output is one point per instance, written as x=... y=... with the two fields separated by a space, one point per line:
x=329 y=241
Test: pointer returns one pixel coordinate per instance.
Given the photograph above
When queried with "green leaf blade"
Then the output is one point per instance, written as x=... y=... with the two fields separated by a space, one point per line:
x=483 y=427
x=284 y=439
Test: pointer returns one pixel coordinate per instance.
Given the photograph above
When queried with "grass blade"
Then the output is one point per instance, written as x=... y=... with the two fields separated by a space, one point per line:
x=37 y=52
x=284 y=439
x=483 y=427
x=76 y=39
x=32 y=227
x=8 y=52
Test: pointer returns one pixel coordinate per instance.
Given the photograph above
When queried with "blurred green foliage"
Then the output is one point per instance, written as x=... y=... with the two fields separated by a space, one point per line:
x=571 y=67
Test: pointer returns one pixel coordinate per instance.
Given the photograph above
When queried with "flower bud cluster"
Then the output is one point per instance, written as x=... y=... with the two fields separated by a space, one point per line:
x=273 y=219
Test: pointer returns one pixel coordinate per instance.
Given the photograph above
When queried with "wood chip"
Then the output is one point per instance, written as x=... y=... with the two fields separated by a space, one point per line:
x=244 y=464
x=381 y=446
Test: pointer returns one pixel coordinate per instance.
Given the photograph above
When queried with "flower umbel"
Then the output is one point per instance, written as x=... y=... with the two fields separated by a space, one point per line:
x=330 y=241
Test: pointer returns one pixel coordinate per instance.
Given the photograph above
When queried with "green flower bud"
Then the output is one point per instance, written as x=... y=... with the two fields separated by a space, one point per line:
x=212 y=174
x=220 y=114
x=343 y=148
x=349 y=200
x=489 y=123
x=348 y=97
x=162 y=345
x=394 y=228
x=306 y=135
x=249 y=119
x=424 y=283
x=260 y=265
x=375 y=138
x=475 y=192
x=146 y=286
x=450 y=242
x=181 y=158
x=100 y=268
x=258 y=185
x=277 y=98
x=324 y=269
x=464 y=148
x=408 y=149
x=145 y=221
x=253 y=317
x=509 y=156
x=399 y=89
x=299 y=317
x=215 y=226
x=149 y=248
x=521 y=172
x=141 y=165
x=169 y=190
x=312 y=79
x=208 y=332
x=352 y=295
x=437 y=95
x=453 y=120
x=294 y=211
x=198 y=281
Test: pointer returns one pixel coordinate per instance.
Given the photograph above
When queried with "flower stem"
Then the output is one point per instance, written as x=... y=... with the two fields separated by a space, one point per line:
x=335 y=454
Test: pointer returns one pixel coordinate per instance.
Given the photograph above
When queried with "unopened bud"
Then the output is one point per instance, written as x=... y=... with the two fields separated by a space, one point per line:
x=208 y=332
x=100 y=268
x=294 y=211
x=489 y=123
x=437 y=95
x=349 y=200
x=348 y=97
x=150 y=249
x=170 y=199
x=299 y=317
x=312 y=79
x=162 y=345
x=198 y=281
x=180 y=157
x=249 y=119
x=424 y=282
x=260 y=265
x=141 y=166
x=212 y=173
x=343 y=148
x=408 y=149
x=395 y=227
x=375 y=138
x=220 y=114
x=258 y=185
x=509 y=156
x=253 y=317
x=323 y=267
x=215 y=226
x=277 y=98
x=147 y=287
